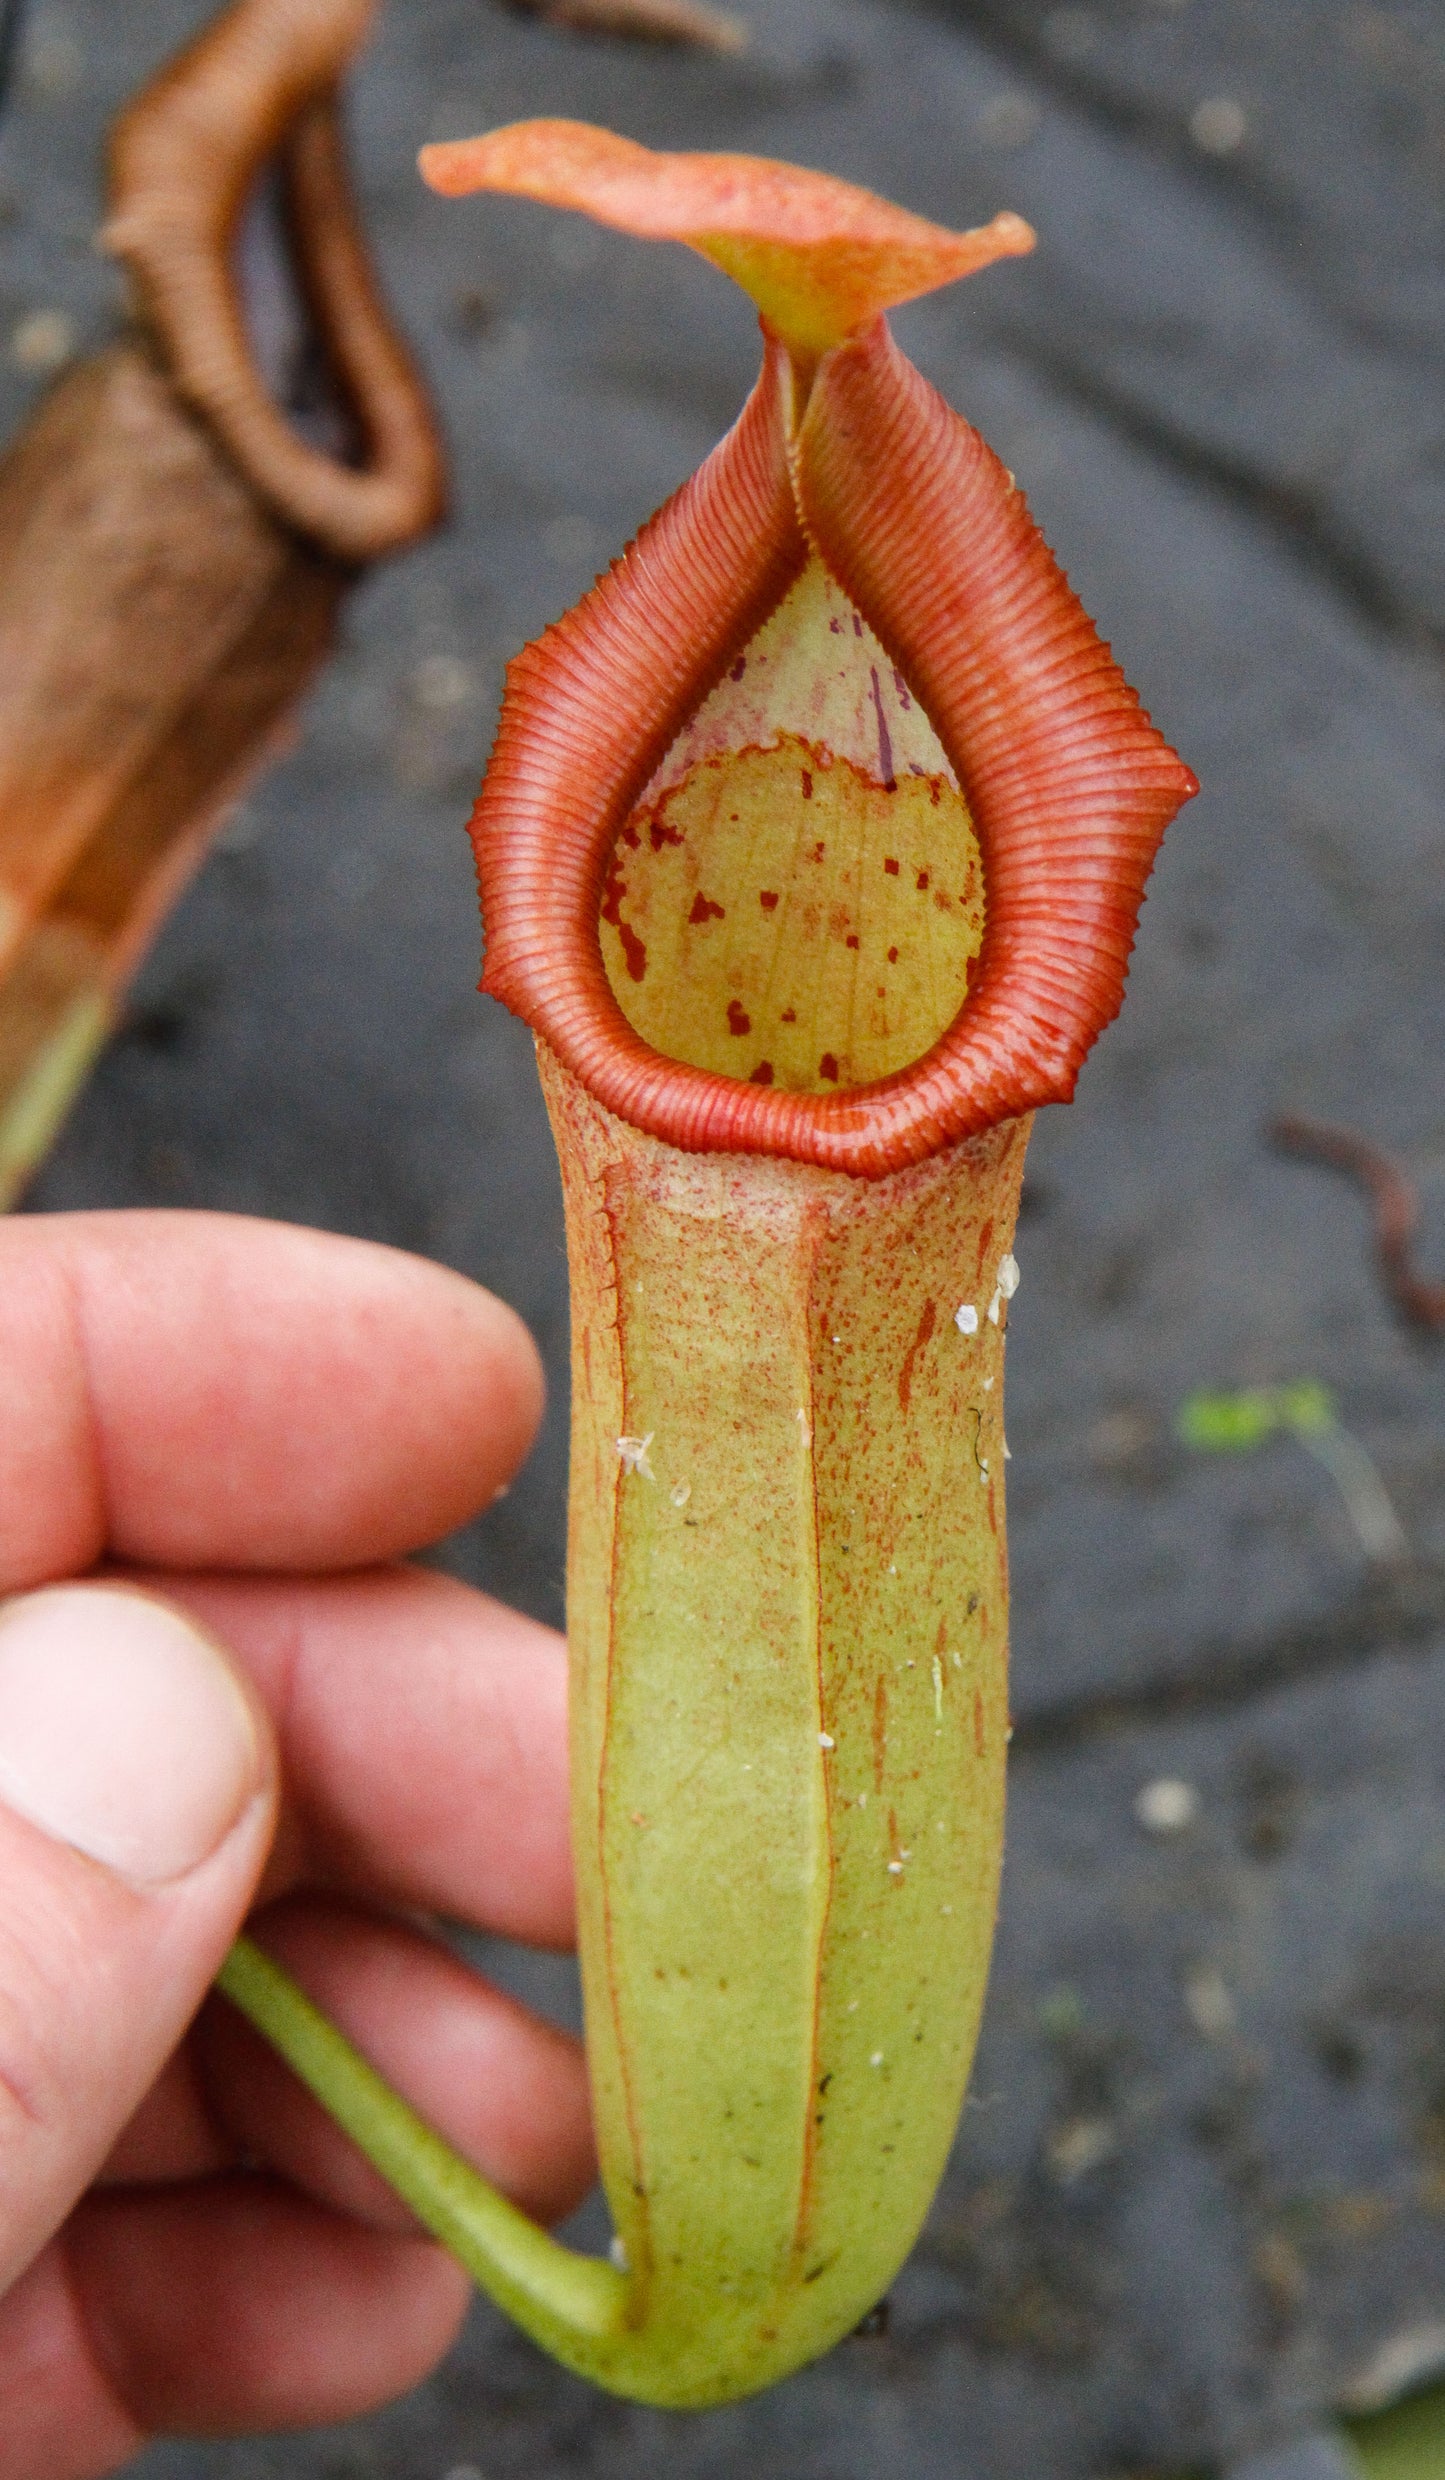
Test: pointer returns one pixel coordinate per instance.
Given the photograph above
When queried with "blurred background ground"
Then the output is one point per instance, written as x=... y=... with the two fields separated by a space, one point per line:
x=1199 y=2192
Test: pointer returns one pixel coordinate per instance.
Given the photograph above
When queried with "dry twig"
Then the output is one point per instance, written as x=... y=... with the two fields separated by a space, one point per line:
x=1396 y=1202
x=647 y=21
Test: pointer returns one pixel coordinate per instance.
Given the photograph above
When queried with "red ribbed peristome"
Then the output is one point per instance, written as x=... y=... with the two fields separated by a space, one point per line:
x=1070 y=785
x=590 y=710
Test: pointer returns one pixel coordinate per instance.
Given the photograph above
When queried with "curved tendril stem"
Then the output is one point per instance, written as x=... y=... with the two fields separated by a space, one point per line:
x=563 y=2300
x=262 y=80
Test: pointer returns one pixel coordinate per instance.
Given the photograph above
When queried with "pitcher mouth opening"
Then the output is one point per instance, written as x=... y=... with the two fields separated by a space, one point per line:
x=1068 y=784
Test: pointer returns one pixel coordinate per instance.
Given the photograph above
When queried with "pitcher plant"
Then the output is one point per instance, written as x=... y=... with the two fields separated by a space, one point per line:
x=811 y=849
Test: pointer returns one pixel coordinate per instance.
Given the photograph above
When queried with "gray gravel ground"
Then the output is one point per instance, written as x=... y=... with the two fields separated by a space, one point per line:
x=1199 y=2192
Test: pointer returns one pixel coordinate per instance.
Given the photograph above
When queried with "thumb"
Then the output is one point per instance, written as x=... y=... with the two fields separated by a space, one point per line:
x=137 y=1800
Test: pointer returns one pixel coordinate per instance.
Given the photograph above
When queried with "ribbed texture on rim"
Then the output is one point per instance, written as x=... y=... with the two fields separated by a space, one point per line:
x=1070 y=785
x=590 y=710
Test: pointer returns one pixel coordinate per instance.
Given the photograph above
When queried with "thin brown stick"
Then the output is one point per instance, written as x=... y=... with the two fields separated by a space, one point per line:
x=647 y=21
x=1396 y=1202
x=259 y=81
x=407 y=476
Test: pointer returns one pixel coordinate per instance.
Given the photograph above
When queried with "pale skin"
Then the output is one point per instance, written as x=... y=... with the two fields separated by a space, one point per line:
x=259 y=1425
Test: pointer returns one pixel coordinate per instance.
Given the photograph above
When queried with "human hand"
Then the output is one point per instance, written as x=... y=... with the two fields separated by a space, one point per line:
x=251 y=1421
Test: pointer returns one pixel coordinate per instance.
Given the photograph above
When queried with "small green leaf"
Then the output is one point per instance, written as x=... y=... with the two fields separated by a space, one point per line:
x=1306 y=1407
x=1235 y=1421
x=1228 y=1423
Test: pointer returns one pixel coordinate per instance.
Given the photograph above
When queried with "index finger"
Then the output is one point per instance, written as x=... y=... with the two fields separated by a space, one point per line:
x=205 y=1390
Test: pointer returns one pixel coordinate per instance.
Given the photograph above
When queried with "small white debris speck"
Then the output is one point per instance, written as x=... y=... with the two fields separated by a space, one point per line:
x=633 y=1452
x=987 y=1384
x=1008 y=1453
x=1079 y=2146
x=983 y=1469
x=965 y=1318
x=826 y=1740
x=1218 y=125
x=804 y=1430
x=938 y=1687
x=41 y=342
x=877 y=2058
x=1209 y=2004
x=441 y=683
x=617 y=2250
x=1167 y=1806
x=1006 y=1283
x=895 y=1868
x=680 y=1493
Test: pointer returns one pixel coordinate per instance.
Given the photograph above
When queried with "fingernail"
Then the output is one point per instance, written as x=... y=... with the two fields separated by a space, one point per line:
x=122 y=1730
